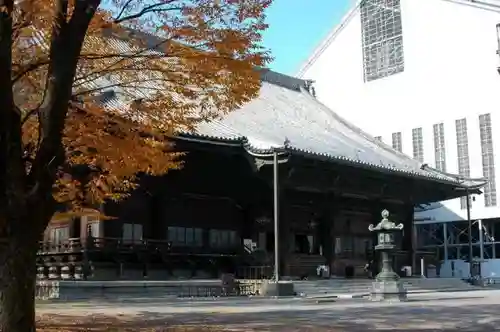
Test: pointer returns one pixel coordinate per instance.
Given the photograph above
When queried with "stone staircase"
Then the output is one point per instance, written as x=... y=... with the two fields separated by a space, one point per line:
x=359 y=286
x=305 y=265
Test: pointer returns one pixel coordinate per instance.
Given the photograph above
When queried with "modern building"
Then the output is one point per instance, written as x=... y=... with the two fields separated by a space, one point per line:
x=422 y=76
x=217 y=213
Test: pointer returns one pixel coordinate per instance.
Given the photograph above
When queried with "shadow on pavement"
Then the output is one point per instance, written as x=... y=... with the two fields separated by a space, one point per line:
x=394 y=318
x=443 y=299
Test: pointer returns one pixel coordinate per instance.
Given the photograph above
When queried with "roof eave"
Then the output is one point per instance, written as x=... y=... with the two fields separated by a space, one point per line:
x=343 y=160
x=472 y=185
x=206 y=139
x=463 y=183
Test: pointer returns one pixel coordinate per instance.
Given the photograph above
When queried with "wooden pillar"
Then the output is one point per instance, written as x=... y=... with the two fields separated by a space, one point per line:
x=319 y=234
x=156 y=229
x=284 y=234
x=327 y=230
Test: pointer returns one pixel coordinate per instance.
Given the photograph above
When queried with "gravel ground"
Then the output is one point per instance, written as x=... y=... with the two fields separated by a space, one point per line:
x=470 y=311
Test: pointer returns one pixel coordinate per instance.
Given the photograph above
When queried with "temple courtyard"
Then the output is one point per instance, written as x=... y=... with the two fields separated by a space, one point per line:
x=434 y=311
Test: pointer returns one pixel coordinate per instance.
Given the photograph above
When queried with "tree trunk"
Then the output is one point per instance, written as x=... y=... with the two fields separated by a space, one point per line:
x=17 y=281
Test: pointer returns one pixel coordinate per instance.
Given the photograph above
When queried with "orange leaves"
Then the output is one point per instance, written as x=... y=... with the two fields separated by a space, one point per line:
x=146 y=67
x=115 y=145
x=105 y=152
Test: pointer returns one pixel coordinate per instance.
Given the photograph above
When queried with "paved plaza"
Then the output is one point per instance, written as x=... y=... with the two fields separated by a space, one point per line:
x=465 y=311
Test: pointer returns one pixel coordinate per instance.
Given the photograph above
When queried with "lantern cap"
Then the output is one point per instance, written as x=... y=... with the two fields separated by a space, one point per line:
x=385 y=224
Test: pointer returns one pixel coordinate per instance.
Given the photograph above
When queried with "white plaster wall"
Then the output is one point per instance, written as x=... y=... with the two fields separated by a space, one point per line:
x=450 y=73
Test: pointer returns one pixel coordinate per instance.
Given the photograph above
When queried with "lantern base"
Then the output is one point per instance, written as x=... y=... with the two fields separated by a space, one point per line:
x=388 y=291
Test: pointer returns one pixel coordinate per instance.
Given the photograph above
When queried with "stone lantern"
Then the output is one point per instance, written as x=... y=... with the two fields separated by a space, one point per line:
x=387 y=286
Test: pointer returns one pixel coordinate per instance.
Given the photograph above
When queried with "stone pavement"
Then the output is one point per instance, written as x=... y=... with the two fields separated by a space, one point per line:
x=464 y=311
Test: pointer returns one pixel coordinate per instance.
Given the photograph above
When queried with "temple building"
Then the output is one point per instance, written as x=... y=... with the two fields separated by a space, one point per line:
x=216 y=213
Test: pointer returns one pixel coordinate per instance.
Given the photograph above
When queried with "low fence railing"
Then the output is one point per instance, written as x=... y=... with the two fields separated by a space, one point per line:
x=91 y=243
x=75 y=245
x=263 y=272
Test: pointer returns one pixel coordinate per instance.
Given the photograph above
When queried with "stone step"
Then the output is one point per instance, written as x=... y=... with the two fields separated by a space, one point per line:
x=357 y=286
x=81 y=290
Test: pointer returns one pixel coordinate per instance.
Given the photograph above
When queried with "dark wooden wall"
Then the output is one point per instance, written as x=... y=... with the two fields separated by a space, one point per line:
x=212 y=190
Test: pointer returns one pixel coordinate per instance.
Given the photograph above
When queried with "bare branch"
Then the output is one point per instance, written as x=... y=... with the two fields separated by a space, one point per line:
x=154 y=8
x=124 y=8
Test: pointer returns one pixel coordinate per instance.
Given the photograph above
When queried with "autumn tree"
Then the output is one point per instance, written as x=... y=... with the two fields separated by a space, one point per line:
x=90 y=92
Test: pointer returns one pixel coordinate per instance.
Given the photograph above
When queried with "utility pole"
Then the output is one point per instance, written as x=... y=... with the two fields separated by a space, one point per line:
x=469 y=221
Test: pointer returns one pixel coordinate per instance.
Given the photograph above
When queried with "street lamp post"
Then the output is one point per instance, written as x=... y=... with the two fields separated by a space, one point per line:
x=469 y=224
x=387 y=285
x=276 y=287
x=276 y=216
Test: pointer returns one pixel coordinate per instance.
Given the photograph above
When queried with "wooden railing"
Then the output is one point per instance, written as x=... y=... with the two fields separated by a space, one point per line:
x=75 y=245
x=255 y=272
x=75 y=258
x=69 y=246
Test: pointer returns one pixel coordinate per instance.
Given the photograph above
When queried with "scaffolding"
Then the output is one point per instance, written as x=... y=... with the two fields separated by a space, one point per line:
x=382 y=38
x=449 y=241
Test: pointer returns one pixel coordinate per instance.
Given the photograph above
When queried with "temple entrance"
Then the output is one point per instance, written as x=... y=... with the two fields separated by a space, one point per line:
x=303 y=244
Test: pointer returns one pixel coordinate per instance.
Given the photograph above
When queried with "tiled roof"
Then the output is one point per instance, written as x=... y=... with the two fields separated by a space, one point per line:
x=285 y=111
x=286 y=115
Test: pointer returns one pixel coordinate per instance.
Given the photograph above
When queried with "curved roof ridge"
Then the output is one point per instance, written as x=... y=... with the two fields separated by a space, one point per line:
x=283 y=80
